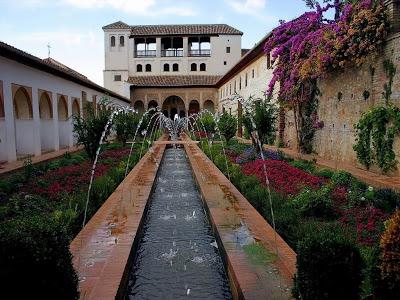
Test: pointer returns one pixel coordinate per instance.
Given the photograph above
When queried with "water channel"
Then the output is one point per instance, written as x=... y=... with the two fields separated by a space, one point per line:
x=177 y=256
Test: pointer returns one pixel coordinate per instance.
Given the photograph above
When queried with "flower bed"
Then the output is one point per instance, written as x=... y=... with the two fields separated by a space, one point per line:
x=282 y=176
x=308 y=201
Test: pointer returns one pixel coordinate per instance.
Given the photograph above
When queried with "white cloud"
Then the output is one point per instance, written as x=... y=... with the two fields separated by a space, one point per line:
x=138 y=7
x=80 y=50
x=248 y=6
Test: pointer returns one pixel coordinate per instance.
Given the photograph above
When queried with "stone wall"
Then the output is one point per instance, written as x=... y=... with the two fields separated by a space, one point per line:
x=342 y=103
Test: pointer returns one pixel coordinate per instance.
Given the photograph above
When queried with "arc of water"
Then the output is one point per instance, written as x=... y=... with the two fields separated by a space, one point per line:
x=247 y=107
x=106 y=128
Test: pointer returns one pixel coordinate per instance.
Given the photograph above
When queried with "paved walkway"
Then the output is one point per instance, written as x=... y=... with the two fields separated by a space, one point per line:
x=18 y=164
x=371 y=178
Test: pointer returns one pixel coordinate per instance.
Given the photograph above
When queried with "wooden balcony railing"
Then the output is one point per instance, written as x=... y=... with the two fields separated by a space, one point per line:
x=205 y=52
x=172 y=53
x=145 y=53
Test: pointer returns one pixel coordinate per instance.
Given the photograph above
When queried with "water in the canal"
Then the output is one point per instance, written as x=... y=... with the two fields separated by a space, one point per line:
x=177 y=256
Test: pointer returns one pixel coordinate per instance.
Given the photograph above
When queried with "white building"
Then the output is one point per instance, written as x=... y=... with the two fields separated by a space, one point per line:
x=183 y=51
x=38 y=98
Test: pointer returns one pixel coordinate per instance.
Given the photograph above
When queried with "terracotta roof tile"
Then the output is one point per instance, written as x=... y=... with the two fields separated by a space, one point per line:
x=117 y=25
x=184 y=29
x=173 y=81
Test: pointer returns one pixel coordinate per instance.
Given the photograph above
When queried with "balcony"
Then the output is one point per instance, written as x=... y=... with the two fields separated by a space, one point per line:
x=172 y=53
x=145 y=53
x=200 y=53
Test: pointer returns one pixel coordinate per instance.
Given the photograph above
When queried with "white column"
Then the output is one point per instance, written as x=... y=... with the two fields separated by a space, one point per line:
x=70 y=121
x=37 y=147
x=56 y=134
x=201 y=104
x=158 y=47
x=185 y=46
x=9 y=122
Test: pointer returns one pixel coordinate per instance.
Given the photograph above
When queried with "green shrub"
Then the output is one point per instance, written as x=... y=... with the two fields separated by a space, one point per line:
x=387 y=200
x=207 y=120
x=88 y=130
x=227 y=124
x=315 y=203
x=125 y=126
x=102 y=188
x=305 y=165
x=326 y=173
x=328 y=266
x=5 y=187
x=342 y=178
x=34 y=254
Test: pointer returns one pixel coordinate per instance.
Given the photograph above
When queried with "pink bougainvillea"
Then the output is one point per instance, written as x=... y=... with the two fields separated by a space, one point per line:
x=311 y=46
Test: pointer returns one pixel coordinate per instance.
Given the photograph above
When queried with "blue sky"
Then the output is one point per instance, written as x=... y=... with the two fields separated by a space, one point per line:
x=73 y=27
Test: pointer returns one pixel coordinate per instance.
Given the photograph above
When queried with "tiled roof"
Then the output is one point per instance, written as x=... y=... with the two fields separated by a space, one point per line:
x=173 y=81
x=54 y=67
x=56 y=63
x=184 y=29
x=117 y=25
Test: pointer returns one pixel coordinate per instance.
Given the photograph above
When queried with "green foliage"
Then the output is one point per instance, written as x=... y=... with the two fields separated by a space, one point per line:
x=264 y=114
x=305 y=165
x=342 y=178
x=227 y=124
x=387 y=200
x=315 y=203
x=125 y=126
x=88 y=130
x=29 y=168
x=326 y=173
x=328 y=265
x=102 y=188
x=36 y=248
x=376 y=131
x=390 y=71
x=258 y=255
x=208 y=122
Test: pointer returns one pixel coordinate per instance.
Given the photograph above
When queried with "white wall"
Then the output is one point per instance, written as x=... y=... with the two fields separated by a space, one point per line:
x=30 y=136
x=3 y=148
x=47 y=134
x=256 y=86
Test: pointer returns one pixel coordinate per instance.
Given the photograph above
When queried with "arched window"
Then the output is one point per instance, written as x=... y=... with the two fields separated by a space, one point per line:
x=193 y=67
x=62 y=109
x=148 y=68
x=175 y=67
x=45 y=107
x=22 y=104
x=202 y=67
x=139 y=68
x=122 y=41
x=166 y=67
x=75 y=108
x=112 y=41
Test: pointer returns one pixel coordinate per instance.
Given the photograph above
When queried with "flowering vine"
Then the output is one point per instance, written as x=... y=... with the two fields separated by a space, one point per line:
x=311 y=46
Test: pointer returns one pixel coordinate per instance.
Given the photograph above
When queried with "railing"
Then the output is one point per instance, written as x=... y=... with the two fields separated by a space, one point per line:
x=205 y=52
x=172 y=53
x=145 y=53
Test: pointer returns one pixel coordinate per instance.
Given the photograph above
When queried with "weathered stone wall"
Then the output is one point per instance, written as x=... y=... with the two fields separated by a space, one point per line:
x=339 y=114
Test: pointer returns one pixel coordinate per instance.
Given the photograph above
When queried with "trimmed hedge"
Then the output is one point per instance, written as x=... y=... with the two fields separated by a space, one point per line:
x=329 y=266
x=35 y=260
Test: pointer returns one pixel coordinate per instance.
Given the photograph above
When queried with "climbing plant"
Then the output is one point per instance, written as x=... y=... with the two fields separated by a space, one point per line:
x=376 y=131
x=311 y=46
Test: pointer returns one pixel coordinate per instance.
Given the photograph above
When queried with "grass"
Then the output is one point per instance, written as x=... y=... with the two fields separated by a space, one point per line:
x=258 y=255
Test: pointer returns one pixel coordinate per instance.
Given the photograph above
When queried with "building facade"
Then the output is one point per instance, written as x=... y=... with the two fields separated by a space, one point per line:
x=37 y=101
x=149 y=63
